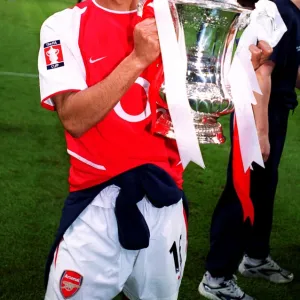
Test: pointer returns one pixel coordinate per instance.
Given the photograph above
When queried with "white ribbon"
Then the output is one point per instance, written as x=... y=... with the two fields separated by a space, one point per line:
x=175 y=84
x=265 y=24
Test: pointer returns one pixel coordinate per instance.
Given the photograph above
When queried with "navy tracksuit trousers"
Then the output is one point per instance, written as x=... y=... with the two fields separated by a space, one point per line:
x=230 y=237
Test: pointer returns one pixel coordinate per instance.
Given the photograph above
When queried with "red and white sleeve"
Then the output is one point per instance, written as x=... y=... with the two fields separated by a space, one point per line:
x=60 y=64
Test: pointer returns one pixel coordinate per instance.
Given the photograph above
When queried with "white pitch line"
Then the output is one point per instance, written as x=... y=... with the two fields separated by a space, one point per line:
x=19 y=74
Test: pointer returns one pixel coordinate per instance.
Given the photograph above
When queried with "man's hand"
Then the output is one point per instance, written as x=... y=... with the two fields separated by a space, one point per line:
x=260 y=54
x=146 y=42
x=264 y=145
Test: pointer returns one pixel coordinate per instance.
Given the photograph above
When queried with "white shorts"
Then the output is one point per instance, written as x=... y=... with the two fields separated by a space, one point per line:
x=90 y=263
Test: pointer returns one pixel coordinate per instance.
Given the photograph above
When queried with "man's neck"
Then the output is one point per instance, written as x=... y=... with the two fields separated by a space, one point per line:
x=119 y=5
x=296 y=2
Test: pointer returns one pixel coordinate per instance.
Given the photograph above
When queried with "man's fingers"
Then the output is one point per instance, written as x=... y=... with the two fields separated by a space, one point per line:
x=148 y=21
x=260 y=53
x=266 y=49
x=148 y=26
x=265 y=157
x=256 y=56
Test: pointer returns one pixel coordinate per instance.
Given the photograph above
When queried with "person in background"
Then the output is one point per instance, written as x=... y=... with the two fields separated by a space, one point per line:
x=231 y=239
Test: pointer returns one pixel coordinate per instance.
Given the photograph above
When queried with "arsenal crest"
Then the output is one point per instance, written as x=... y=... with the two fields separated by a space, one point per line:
x=70 y=283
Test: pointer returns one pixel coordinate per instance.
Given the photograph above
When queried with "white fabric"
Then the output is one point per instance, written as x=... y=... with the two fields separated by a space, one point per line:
x=62 y=26
x=175 y=84
x=91 y=248
x=265 y=24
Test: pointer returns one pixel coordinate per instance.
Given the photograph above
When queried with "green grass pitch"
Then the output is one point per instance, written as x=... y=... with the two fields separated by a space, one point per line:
x=34 y=166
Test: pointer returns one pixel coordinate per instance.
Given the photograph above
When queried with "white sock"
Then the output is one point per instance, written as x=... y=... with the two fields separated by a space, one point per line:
x=214 y=281
x=254 y=261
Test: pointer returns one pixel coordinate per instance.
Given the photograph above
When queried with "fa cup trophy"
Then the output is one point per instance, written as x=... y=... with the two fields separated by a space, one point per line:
x=210 y=28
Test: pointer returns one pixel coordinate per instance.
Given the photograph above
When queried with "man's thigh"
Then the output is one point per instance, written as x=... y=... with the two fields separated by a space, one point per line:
x=158 y=270
x=90 y=263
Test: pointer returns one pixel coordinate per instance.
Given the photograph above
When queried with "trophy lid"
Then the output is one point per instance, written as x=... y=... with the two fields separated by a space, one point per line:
x=227 y=5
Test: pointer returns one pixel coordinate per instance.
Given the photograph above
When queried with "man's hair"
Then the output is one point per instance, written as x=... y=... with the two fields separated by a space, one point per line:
x=247 y=3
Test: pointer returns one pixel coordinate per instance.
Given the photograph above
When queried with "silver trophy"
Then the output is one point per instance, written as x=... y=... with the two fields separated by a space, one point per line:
x=210 y=28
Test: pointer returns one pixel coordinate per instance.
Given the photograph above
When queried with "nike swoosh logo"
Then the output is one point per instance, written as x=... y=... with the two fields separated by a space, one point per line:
x=92 y=61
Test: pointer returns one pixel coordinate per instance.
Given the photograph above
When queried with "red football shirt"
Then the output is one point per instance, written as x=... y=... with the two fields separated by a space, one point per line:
x=79 y=48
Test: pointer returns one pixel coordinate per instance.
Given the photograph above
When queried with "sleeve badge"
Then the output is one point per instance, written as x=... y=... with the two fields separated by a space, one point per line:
x=53 y=55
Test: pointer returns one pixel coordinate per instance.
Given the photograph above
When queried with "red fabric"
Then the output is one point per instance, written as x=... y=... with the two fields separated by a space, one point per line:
x=123 y=139
x=241 y=180
x=56 y=253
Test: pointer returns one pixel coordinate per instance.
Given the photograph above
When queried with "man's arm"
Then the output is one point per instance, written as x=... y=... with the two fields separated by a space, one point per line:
x=264 y=69
x=261 y=109
x=82 y=110
x=298 y=79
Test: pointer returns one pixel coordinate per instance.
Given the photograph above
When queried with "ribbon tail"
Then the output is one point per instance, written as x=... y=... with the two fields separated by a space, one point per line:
x=242 y=96
x=241 y=179
x=265 y=23
x=175 y=83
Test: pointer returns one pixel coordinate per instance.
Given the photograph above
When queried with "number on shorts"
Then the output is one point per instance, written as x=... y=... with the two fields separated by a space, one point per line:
x=173 y=250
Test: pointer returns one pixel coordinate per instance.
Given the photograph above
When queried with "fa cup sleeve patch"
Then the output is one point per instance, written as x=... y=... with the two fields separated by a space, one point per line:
x=70 y=283
x=53 y=55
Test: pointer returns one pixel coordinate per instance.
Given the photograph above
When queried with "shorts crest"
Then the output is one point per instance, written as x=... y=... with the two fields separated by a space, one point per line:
x=70 y=283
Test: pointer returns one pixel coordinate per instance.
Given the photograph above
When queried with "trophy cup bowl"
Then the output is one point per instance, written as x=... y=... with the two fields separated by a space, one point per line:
x=209 y=27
